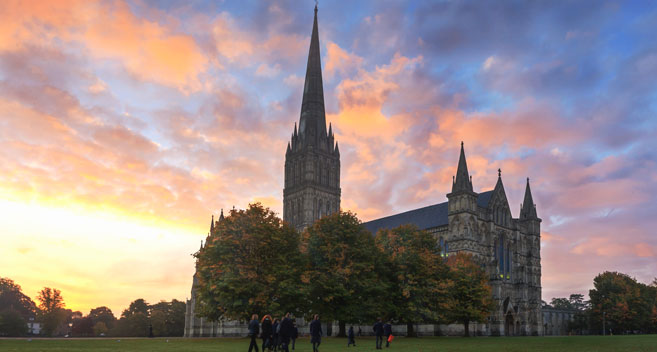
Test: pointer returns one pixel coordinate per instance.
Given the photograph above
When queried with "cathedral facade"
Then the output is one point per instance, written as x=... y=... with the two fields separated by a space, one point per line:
x=507 y=248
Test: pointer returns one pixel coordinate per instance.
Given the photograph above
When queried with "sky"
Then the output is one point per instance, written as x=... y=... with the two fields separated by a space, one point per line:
x=124 y=126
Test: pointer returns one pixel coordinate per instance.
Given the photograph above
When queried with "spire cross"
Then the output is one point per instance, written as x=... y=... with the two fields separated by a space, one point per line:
x=499 y=172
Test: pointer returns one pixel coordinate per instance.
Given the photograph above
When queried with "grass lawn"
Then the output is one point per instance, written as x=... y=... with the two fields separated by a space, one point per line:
x=479 y=344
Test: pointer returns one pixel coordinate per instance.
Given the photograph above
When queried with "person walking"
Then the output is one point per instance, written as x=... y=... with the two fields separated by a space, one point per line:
x=387 y=332
x=351 y=340
x=276 y=328
x=295 y=333
x=378 y=331
x=286 y=332
x=316 y=333
x=254 y=329
x=266 y=331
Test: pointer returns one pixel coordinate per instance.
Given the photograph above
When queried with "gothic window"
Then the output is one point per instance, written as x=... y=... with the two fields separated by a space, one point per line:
x=500 y=257
x=320 y=211
x=299 y=210
x=444 y=248
x=508 y=263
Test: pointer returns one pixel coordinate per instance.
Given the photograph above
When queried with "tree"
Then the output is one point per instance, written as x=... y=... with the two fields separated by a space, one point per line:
x=100 y=329
x=104 y=315
x=12 y=323
x=137 y=306
x=51 y=305
x=342 y=281
x=12 y=298
x=168 y=318
x=469 y=297
x=627 y=305
x=561 y=303
x=577 y=302
x=83 y=327
x=416 y=274
x=250 y=264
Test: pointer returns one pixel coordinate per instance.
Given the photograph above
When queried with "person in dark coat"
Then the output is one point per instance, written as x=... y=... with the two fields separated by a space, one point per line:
x=378 y=331
x=286 y=332
x=266 y=332
x=387 y=331
x=351 y=339
x=275 y=337
x=316 y=333
x=254 y=329
x=295 y=333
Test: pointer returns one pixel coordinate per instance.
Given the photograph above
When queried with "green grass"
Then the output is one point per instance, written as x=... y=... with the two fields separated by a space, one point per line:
x=478 y=344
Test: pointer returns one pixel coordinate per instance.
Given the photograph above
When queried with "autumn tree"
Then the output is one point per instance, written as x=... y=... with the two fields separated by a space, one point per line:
x=469 y=297
x=628 y=305
x=342 y=281
x=250 y=264
x=51 y=306
x=416 y=274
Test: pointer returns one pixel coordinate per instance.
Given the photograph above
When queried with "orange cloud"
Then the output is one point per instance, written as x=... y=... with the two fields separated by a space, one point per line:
x=109 y=30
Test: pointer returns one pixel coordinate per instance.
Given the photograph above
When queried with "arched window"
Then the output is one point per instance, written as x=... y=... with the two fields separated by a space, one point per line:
x=320 y=211
x=501 y=256
x=508 y=263
x=442 y=247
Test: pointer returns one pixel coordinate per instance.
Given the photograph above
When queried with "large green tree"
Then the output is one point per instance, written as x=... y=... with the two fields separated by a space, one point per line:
x=168 y=318
x=627 y=305
x=416 y=274
x=343 y=279
x=250 y=264
x=51 y=306
x=469 y=297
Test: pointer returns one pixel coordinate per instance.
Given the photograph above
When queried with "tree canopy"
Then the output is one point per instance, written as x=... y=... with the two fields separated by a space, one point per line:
x=469 y=297
x=251 y=263
x=416 y=274
x=343 y=280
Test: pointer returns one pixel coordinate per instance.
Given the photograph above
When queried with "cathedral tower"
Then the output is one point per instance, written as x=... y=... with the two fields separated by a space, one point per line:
x=312 y=159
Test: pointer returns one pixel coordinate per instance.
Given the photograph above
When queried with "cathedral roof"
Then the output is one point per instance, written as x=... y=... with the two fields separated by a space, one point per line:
x=424 y=218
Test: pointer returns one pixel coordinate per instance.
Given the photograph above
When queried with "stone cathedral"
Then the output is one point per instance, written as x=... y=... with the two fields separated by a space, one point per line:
x=478 y=223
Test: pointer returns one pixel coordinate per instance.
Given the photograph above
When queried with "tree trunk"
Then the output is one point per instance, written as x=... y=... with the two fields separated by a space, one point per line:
x=342 y=328
x=466 y=325
x=410 y=331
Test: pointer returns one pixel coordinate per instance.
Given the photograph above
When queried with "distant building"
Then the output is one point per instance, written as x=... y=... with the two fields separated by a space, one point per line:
x=33 y=327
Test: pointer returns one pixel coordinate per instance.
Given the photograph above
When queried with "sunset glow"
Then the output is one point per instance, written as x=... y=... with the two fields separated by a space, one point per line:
x=125 y=125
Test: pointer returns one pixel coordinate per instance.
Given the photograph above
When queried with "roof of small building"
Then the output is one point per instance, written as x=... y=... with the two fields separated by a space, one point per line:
x=424 y=218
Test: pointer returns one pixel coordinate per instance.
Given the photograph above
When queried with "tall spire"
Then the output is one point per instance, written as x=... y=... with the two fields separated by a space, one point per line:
x=528 y=210
x=462 y=180
x=221 y=217
x=212 y=224
x=312 y=123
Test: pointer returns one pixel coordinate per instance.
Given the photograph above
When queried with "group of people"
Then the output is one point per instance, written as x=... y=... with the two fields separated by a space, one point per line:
x=279 y=334
x=275 y=334
x=381 y=330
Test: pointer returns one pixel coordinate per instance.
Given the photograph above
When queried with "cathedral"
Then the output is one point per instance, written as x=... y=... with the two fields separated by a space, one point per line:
x=507 y=248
